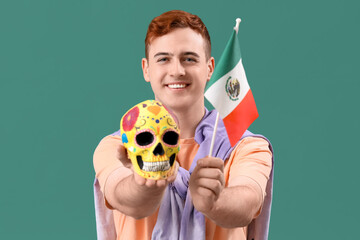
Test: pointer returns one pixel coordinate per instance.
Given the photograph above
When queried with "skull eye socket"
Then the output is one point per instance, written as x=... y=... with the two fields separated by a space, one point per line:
x=144 y=139
x=171 y=138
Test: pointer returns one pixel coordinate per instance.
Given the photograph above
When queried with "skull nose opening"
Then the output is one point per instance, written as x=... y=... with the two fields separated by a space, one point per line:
x=140 y=162
x=172 y=159
x=159 y=150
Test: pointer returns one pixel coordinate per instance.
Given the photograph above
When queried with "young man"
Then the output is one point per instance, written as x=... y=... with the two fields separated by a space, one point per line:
x=225 y=194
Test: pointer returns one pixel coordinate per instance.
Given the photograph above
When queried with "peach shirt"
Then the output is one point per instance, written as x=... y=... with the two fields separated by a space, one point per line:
x=251 y=158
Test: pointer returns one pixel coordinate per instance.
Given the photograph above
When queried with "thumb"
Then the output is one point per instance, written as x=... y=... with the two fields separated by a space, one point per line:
x=123 y=156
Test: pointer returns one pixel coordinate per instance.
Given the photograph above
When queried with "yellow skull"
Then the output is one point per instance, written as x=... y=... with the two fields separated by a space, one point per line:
x=151 y=137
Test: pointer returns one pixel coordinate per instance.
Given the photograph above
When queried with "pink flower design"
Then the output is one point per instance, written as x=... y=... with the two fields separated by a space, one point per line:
x=130 y=118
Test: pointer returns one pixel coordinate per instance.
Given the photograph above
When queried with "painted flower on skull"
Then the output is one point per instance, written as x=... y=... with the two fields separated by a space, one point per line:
x=130 y=118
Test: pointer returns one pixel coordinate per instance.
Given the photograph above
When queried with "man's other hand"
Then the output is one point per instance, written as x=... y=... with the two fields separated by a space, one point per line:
x=206 y=183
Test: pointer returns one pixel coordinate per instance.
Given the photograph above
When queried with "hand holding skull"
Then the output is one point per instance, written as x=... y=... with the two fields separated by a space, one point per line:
x=150 y=143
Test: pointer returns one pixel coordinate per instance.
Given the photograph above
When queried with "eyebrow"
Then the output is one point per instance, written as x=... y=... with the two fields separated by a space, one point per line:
x=170 y=54
x=163 y=54
x=192 y=54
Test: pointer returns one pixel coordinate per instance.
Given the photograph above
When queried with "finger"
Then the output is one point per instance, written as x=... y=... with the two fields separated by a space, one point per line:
x=211 y=162
x=207 y=194
x=210 y=173
x=211 y=184
x=150 y=183
x=123 y=157
x=139 y=179
x=205 y=200
x=161 y=183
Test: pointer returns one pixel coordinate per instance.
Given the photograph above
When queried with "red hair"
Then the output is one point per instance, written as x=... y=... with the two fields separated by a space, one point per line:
x=169 y=21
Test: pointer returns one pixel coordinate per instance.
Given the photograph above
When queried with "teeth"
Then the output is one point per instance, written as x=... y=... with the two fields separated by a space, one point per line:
x=156 y=166
x=177 y=85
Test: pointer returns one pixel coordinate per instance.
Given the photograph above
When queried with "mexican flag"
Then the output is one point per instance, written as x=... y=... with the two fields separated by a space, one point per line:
x=229 y=92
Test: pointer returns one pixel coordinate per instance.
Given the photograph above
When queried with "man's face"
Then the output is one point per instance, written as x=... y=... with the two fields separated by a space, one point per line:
x=177 y=68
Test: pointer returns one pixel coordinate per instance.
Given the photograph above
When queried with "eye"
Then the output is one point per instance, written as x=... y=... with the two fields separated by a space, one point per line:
x=190 y=60
x=144 y=139
x=164 y=59
x=171 y=137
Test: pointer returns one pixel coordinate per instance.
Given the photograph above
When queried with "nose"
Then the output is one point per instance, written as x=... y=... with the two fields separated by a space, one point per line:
x=159 y=150
x=177 y=69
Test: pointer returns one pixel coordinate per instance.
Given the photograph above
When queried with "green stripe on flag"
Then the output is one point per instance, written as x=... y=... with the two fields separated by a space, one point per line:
x=228 y=60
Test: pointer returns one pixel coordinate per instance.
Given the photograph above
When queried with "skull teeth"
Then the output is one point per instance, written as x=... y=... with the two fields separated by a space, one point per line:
x=156 y=166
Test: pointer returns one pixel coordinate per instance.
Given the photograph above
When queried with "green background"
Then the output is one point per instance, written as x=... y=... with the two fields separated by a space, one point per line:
x=69 y=69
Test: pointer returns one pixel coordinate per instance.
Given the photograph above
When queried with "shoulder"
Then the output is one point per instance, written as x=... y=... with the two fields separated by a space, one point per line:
x=108 y=141
x=106 y=149
x=252 y=144
x=252 y=151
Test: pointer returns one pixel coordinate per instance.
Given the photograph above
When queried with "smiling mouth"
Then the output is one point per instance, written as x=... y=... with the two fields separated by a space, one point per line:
x=177 y=86
x=155 y=166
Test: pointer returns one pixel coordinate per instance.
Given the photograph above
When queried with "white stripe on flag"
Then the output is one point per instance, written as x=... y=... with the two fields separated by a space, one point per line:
x=216 y=93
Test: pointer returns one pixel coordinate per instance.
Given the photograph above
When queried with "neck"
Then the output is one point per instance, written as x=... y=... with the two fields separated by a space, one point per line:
x=189 y=119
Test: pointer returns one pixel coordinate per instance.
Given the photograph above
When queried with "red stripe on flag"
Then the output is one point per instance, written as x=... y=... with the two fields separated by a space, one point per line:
x=241 y=118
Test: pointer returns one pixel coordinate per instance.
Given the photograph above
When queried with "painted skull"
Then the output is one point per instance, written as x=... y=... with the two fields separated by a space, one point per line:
x=151 y=137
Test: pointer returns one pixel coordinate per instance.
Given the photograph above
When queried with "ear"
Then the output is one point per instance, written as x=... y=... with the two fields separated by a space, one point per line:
x=211 y=67
x=145 y=68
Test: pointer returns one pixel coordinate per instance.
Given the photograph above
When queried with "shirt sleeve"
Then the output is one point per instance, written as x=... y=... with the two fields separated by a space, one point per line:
x=106 y=161
x=251 y=158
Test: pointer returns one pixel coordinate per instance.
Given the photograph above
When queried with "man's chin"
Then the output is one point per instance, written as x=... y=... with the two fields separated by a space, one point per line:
x=176 y=105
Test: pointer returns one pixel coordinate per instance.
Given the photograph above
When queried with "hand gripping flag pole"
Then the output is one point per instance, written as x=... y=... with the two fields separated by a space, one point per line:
x=229 y=92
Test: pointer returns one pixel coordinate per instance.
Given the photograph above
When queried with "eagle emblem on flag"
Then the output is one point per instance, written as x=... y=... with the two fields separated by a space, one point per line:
x=232 y=88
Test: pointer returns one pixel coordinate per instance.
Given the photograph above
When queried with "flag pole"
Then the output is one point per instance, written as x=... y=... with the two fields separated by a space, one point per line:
x=214 y=134
x=236 y=28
